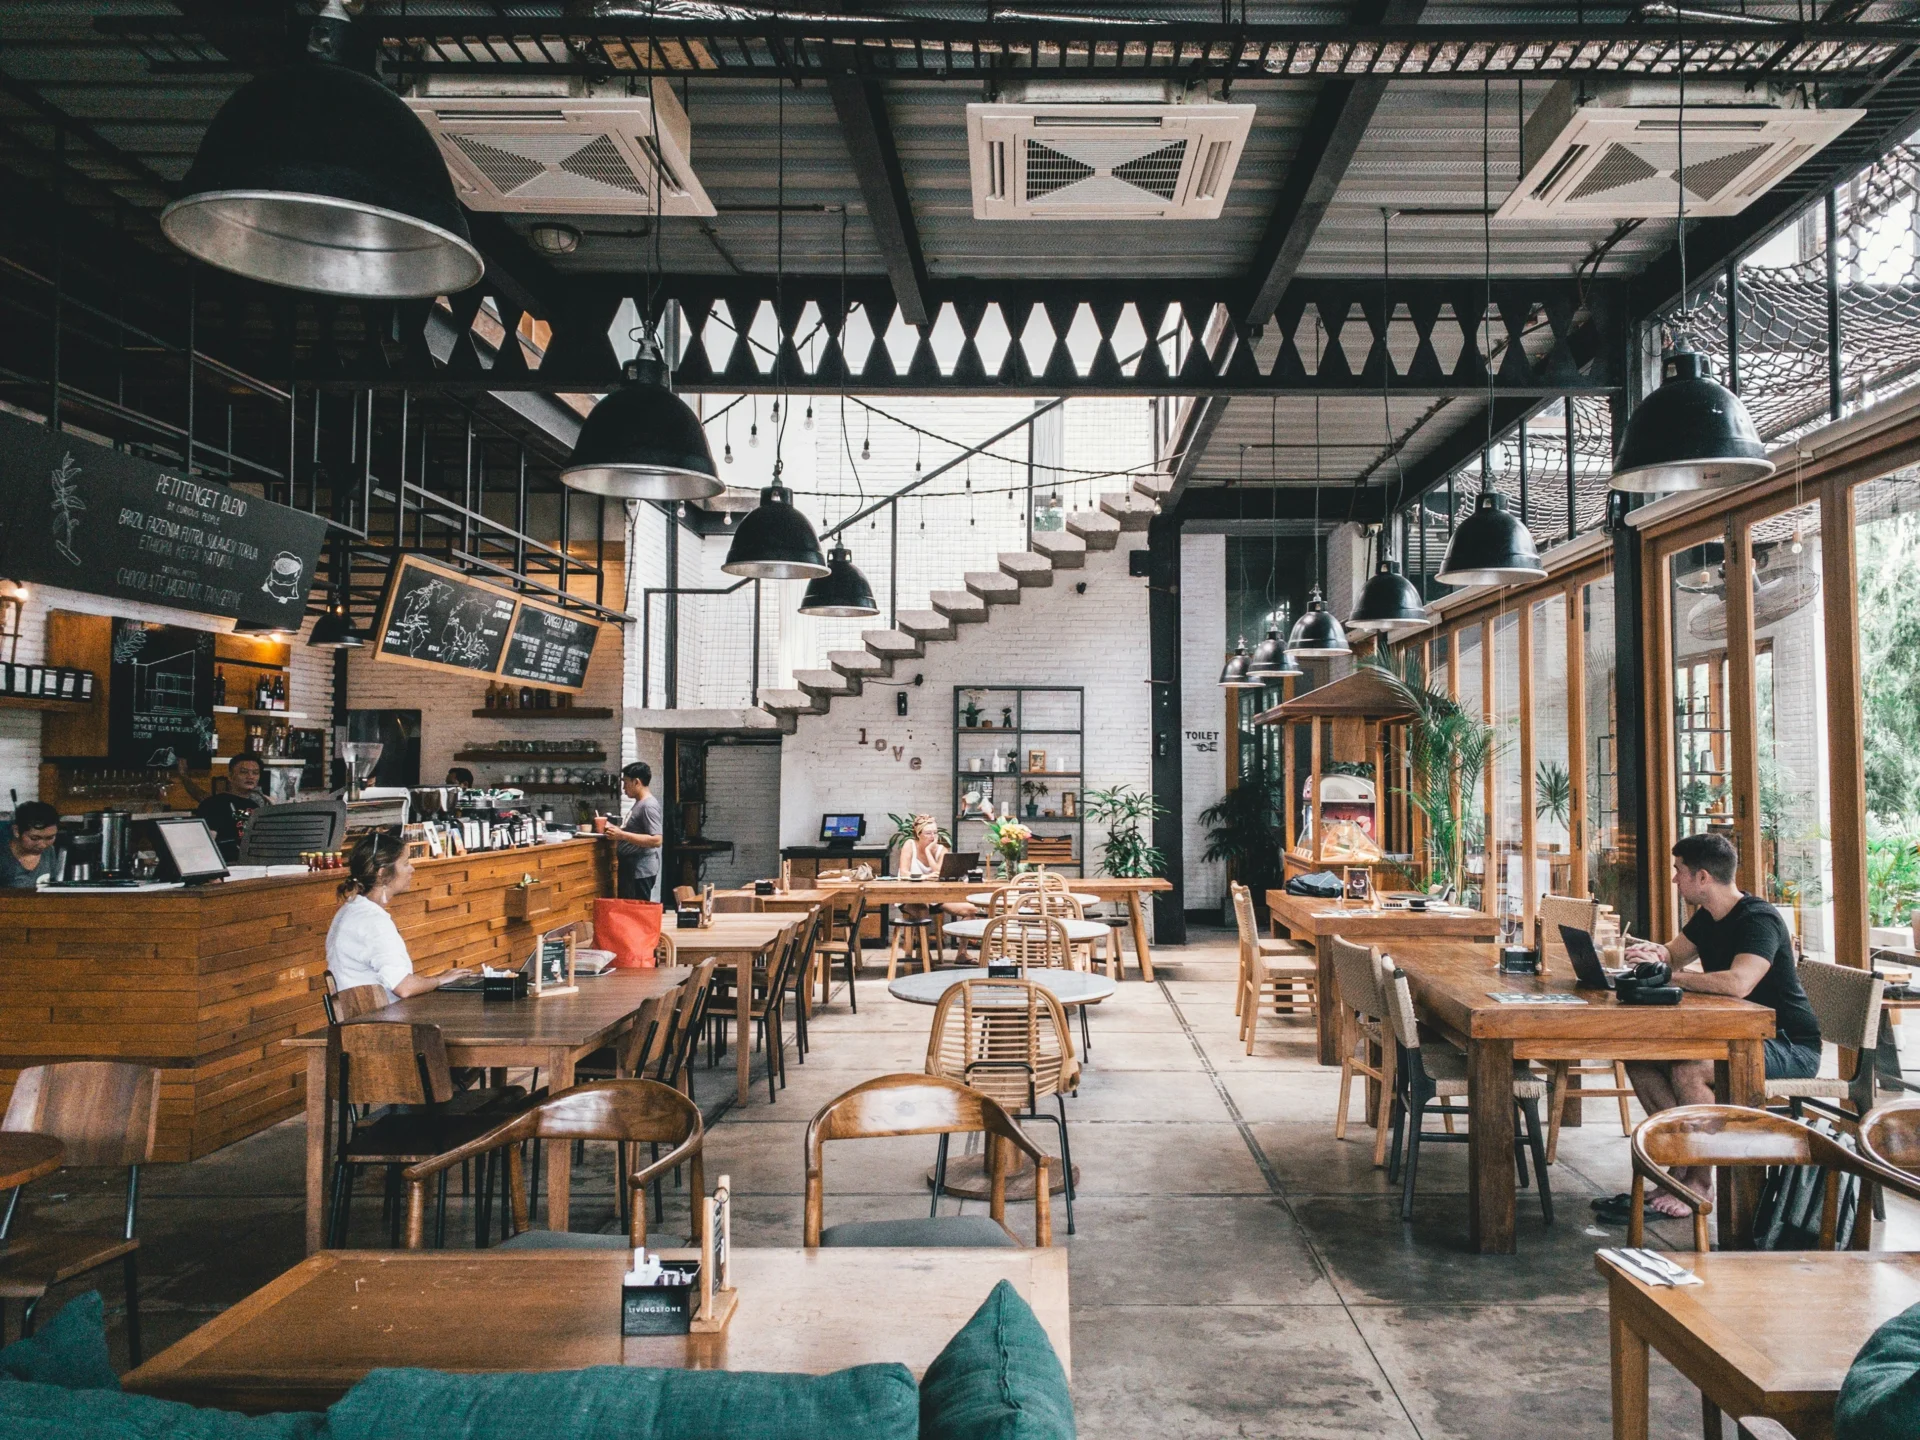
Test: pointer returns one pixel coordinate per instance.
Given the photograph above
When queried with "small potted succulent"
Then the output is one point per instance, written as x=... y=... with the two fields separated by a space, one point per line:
x=970 y=713
x=1033 y=790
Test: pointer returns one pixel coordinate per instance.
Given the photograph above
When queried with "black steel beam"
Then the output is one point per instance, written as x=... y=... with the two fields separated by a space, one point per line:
x=1205 y=506
x=1196 y=433
x=1327 y=145
x=862 y=108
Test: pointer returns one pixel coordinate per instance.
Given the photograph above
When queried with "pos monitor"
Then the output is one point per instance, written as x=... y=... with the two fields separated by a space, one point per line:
x=842 y=829
x=187 y=849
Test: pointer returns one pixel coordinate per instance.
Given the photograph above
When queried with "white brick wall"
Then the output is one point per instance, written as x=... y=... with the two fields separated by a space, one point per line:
x=740 y=779
x=1203 y=709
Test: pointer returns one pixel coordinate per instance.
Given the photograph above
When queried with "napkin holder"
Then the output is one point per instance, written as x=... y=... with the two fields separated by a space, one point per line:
x=686 y=917
x=763 y=887
x=1519 y=960
x=665 y=1307
x=504 y=987
x=1003 y=970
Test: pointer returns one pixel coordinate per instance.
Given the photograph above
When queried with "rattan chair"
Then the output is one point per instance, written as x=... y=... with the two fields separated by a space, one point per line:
x=1009 y=1040
x=1555 y=911
x=1846 y=1002
x=1280 y=973
x=1363 y=1029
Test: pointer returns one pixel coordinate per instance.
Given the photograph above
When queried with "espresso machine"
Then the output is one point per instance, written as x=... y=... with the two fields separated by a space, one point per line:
x=93 y=849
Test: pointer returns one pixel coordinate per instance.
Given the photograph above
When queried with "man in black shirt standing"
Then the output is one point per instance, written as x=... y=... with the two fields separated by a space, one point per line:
x=227 y=812
x=1736 y=944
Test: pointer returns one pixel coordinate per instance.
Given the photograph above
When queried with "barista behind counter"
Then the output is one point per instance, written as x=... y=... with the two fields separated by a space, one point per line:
x=226 y=813
x=24 y=846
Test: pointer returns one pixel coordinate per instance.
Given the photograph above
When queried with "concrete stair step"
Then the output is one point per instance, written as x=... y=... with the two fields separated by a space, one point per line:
x=859 y=665
x=960 y=606
x=996 y=587
x=1131 y=515
x=1099 y=530
x=791 y=702
x=1028 y=567
x=826 y=683
x=892 y=644
x=1063 y=550
x=924 y=625
x=1154 y=487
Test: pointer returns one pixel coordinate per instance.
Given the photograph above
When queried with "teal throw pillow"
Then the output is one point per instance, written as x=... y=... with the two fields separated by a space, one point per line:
x=1881 y=1395
x=998 y=1379
x=69 y=1351
x=48 y=1412
x=616 y=1402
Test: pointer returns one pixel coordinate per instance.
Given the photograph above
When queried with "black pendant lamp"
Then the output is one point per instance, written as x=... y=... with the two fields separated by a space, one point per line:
x=1317 y=635
x=775 y=541
x=1690 y=434
x=643 y=442
x=1490 y=547
x=1233 y=675
x=843 y=592
x=1389 y=605
x=1270 y=660
x=335 y=630
x=318 y=177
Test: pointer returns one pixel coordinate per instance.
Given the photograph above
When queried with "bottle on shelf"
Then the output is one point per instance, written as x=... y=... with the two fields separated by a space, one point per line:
x=219 y=687
x=279 y=692
x=526 y=697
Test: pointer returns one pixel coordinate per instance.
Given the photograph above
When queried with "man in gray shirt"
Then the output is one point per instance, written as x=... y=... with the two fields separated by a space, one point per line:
x=637 y=840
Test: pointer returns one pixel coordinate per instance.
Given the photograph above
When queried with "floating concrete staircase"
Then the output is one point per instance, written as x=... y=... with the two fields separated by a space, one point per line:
x=1124 y=513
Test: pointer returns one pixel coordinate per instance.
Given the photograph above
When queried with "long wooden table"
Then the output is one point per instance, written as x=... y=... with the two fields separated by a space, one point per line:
x=742 y=940
x=1305 y=919
x=1453 y=983
x=1767 y=1334
x=552 y=1032
x=950 y=892
x=304 y=1340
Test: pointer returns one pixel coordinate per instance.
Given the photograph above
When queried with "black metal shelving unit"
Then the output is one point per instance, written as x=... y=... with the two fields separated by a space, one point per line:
x=1045 y=717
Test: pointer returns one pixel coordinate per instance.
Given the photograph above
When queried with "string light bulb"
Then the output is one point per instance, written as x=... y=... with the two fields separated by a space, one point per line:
x=681 y=510
x=726 y=456
x=776 y=410
x=866 y=450
x=807 y=424
x=753 y=436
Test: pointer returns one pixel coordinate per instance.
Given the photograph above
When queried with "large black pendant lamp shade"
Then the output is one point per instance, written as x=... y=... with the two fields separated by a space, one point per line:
x=1270 y=660
x=775 y=541
x=1317 y=635
x=1233 y=675
x=319 y=178
x=643 y=442
x=335 y=630
x=843 y=592
x=1389 y=604
x=1690 y=434
x=1490 y=547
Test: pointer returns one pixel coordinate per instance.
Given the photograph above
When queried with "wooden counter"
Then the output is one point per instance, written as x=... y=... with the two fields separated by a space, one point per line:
x=205 y=982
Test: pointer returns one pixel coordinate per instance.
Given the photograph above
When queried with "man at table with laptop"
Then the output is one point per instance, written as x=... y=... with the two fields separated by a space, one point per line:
x=1735 y=944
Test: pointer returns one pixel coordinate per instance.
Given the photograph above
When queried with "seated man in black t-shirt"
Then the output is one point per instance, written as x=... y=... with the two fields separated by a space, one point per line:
x=1738 y=946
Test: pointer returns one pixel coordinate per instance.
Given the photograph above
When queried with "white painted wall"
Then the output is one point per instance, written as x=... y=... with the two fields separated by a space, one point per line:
x=1203 y=709
x=740 y=780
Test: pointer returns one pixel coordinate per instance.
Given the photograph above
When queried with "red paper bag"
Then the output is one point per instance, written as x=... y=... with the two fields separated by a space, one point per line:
x=630 y=929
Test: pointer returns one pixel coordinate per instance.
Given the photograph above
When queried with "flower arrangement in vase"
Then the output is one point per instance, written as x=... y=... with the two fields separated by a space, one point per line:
x=1008 y=837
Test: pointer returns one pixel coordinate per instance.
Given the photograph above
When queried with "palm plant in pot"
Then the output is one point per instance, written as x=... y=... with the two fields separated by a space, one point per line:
x=1243 y=831
x=1123 y=810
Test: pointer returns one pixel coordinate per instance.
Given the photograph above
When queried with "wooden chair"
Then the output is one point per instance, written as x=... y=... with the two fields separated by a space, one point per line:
x=1846 y=1002
x=734 y=905
x=685 y=895
x=841 y=941
x=395 y=1099
x=1555 y=911
x=351 y=1003
x=925 y=1105
x=106 y=1114
x=1363 y=1029
x=1436 y=1071
x=766 y=1007
x=683 y=1028
x=1281 y=973
x=626 y=1112
x=1009 y=1040
x=1890 y=1136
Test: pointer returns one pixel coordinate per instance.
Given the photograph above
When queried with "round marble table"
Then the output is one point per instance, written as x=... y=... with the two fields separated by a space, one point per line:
x=1069 y=987
x=1079 y=932
x=26 y=1155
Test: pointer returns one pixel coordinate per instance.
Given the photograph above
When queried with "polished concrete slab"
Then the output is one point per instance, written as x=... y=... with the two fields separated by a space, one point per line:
x=1237 y=1272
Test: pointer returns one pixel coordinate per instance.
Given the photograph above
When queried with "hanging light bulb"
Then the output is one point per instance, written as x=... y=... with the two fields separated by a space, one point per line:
x=776 y=410
x=753 y=436
x=807 y=424
x=681 y=510
x=726 y=518
x=1317 y=635
x=1233 y=675
x=727 y=454
x=866 y=450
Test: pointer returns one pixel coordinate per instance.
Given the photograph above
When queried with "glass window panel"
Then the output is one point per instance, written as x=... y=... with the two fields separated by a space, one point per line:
x=1790 y=710
x=1877 y=250
x=1473 y=804
x=1702 y=799
x=1887 y=554
x=1552 y=782
x=1511 y=876
x=1610 y=861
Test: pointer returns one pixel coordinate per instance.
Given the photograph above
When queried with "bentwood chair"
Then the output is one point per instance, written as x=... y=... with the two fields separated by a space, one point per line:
x=1363 y=1030
x=892 y=1105
x=1279 y=973
x=1009 y=1040
x=106 y=1114
x=1431 y=1070
x=1890 y=1136
x=1554 y=911
x=626 y=1112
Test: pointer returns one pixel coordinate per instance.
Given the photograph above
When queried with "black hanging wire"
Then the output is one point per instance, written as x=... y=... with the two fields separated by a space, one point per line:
x=1486 y=260
x=779 y=280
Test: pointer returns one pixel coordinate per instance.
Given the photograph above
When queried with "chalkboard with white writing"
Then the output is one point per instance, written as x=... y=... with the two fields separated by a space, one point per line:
x=438 y=617
x=159 y=694
x=550 y=648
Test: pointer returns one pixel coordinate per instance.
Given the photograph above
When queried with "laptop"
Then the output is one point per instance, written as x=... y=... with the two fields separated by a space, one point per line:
x=1587 y=969
x=955 y=866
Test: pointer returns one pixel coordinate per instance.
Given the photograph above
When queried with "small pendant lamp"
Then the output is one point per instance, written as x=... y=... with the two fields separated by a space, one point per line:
x=1233 y=675
x=1389 y=605
x=1270 y=659
x=643 y=442
x=775 y=541
x=1317 y=635
x=1490 y=547
x=843 y=592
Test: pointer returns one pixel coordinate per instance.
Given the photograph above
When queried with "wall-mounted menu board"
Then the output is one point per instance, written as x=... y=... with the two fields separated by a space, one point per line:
x=159 y=694
x=440 y=618
x=549 y=648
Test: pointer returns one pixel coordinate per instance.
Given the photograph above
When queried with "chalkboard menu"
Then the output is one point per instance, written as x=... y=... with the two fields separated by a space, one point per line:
x=438 y=617
x=75 y=513
x=549 y=648
x=160 y=694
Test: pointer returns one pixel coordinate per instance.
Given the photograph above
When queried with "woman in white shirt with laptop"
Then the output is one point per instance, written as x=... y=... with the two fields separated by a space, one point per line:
x=363 y=944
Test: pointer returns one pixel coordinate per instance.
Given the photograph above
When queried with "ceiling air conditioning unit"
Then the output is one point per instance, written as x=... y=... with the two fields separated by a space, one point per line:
x=1609 y=150
x=1133 y=151
x=546 y=147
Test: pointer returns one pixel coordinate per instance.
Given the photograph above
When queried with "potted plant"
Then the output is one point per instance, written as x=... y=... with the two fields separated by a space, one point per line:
x=1552 y=792
x=1244 y=833
x=1450 y=751
x=970 y=713
x=1123 y=810
x=1033 y=790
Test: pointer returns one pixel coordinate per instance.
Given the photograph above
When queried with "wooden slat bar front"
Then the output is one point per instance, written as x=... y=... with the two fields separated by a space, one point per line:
x=205 y=982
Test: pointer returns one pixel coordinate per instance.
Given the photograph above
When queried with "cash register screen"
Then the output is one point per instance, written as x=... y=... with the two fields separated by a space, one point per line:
x=191 y=847
x=842 y=827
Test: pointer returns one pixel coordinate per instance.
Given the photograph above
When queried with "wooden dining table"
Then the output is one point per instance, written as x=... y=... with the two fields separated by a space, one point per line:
x=1308 y=920
x=743 y=939
x=1768 y=1333
x=1454 y=984
x=552 y=1032
x=27 y=1155
x=305 y=1339
x=949 y=892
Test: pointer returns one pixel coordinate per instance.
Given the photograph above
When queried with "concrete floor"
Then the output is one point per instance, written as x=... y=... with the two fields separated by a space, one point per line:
x=1236 y=1271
